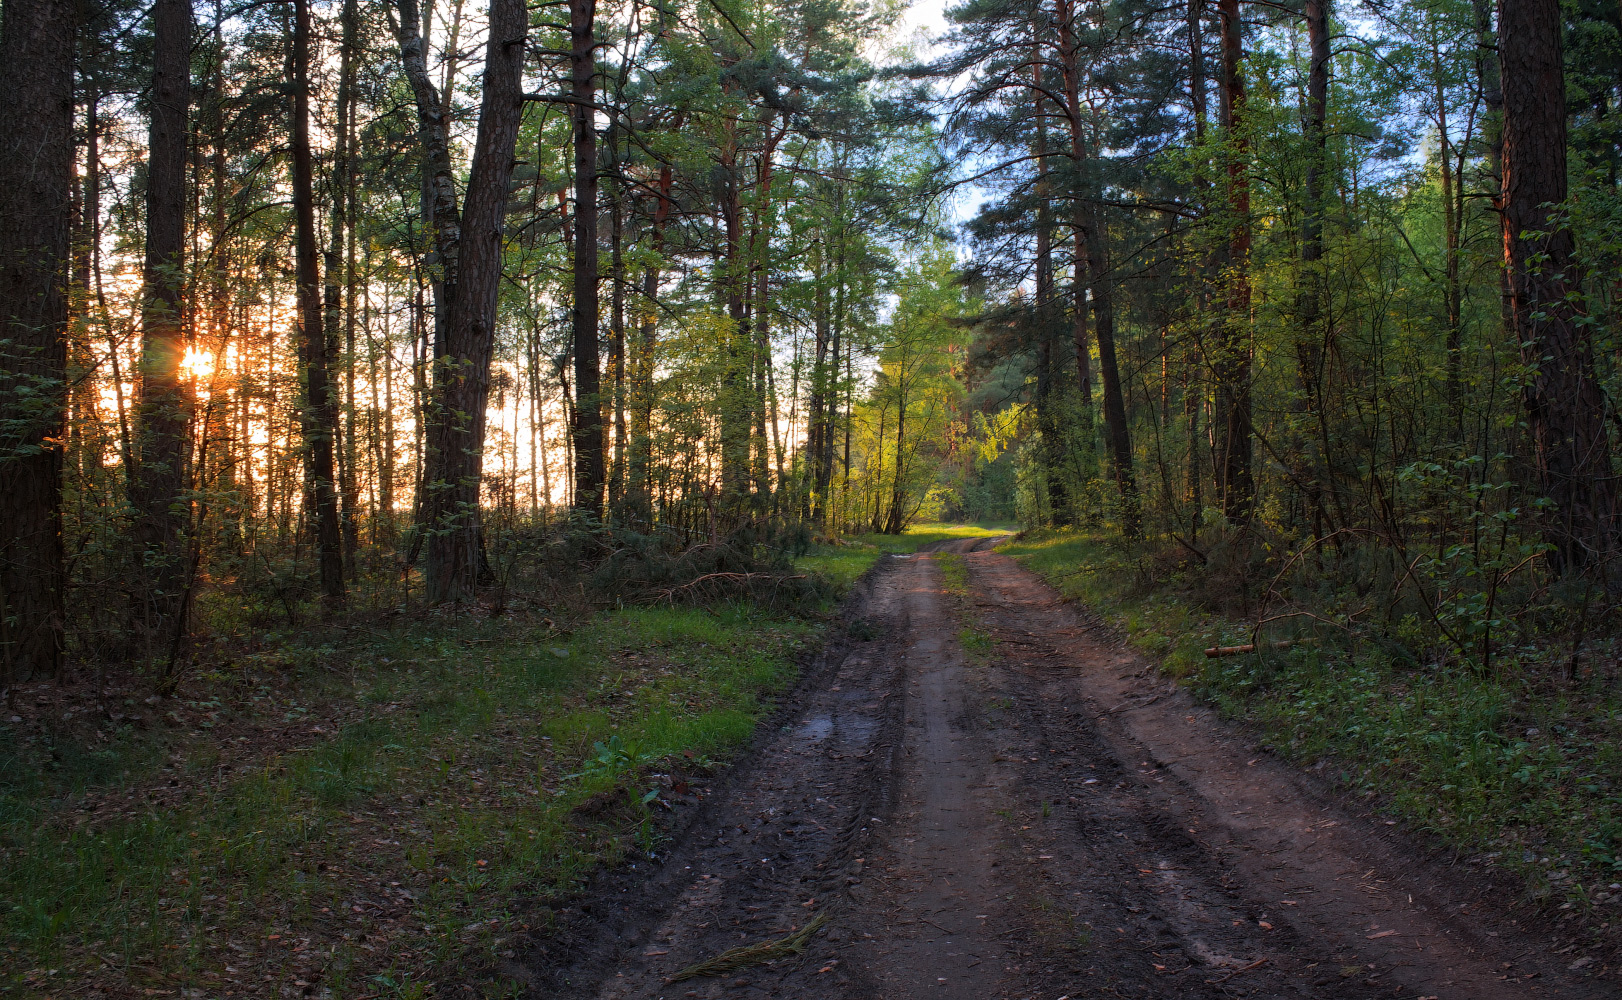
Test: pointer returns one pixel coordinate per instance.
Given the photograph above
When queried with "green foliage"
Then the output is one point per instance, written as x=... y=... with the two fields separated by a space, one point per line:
x=437 y=734
x=1494 y=762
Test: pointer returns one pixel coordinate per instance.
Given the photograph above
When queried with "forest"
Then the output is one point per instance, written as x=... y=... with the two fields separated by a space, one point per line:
x=330 y=330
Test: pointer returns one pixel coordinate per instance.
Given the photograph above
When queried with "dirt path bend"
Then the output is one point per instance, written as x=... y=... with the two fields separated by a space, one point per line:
x=1045 y=818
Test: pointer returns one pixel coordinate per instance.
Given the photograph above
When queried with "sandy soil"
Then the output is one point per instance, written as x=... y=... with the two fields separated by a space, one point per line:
x=1052 y=819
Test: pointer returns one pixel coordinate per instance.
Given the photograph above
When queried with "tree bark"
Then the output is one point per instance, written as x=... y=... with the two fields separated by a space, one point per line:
x=1232 y=363
x=163 y=404
x=1311 y=283
x=1115 y=427
x=1565 y=406
x=1046 y=320
x=340 y=266
x=737 y=349
x=1069 y=62
x=1310 y=292
x=642 y=395
x=589 y=471
x=457 y=430
x=616 y=327
x=36 y=181
x=319 y=412
x=439 y=211
x=1193 y=390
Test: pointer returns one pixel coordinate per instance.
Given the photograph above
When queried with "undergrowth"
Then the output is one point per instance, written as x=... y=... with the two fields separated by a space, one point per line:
x=1502 y=764
x=398 y=811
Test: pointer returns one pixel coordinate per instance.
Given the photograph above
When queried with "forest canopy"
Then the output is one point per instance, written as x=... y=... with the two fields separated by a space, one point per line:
x=309 y=304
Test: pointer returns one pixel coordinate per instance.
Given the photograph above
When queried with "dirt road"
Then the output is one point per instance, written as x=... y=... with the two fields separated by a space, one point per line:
x=1043 y=819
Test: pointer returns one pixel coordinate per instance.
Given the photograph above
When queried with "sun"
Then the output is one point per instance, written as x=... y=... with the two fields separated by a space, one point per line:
x=198 y=363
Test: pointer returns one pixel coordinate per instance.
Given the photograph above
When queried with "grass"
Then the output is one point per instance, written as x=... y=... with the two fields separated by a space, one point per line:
x=387 y=823
x=971 y=638
x=954 y=573
x=843 y=564
x=1521 y=775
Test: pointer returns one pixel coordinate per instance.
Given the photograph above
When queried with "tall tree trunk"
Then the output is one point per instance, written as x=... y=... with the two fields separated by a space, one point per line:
x=827 y=439
x=896 y=521
x=1232 y=363
x=589 y=471
x=1092 y=253
x=616 y=326
x=1115 y=428
x=1489 y=80
x=817 y=431
x=1194 y=401
x=735 y=395
x=340 y=264
x=319 y=410
x=1452 y=291
x=440 y=215
x=1565 y=406
x=36 y=181
x=442 y=222
x=1046 y=320
x=1069 y=62
x=641 y=443
x=1310 y=295
x=457 y=429
x=1311 y=338
x=164 y=401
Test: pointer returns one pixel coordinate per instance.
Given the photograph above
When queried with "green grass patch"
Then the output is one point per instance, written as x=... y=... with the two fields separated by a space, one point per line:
x=843 y=564
x=1529 y=776
x=954 y=573
x=975 y=642
x=454 y=768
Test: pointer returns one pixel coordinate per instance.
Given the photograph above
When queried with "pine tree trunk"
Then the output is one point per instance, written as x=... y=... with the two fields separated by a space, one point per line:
x=457 y=432
x=319 y=412
x=816 y=418
x=343 y=246
x=1069 y=62
x=439 y=211
x=587 y=426
x=616 y=326
x=36 y=181
x=1565 y=406
x=163 y=401
x=1194 y=393
x=1115 y=429
x=1045 y=317
x=442 y=219
x=1310 y=290
x=1311 y=286
x=735 y=395
x=642 y=389
x=1232 y=364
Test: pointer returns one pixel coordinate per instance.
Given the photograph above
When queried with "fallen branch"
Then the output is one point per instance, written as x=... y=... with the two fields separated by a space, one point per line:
x=737 y=958
x=1244 y=968
x=1250 y=647
x=741 y=577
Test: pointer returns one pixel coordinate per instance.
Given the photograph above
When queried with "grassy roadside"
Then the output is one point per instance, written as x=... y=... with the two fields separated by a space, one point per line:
x=1524 y=777
x=356 y=832
x=845 y=562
